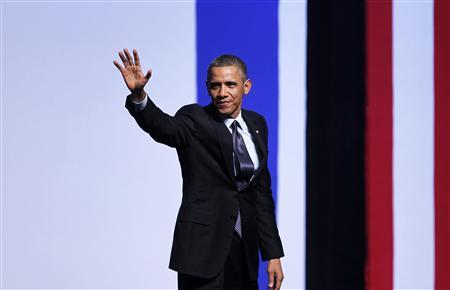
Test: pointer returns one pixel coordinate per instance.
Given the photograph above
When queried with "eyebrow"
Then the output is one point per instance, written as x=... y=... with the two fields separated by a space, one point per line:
x=228 y=83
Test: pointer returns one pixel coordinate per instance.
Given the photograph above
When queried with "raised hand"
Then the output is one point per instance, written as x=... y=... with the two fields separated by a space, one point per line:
x=132 y=74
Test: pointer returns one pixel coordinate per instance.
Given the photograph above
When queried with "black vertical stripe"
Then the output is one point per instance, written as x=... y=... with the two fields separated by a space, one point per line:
x=335 y=245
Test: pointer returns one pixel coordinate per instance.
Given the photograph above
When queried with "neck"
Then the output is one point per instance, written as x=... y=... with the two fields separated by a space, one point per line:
x=227 y=116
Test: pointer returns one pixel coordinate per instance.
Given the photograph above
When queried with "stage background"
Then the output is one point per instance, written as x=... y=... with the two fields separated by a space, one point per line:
x=360 y=168
x=88 y=199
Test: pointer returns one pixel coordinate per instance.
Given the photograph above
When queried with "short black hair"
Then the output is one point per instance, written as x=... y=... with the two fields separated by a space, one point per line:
x=228 y=60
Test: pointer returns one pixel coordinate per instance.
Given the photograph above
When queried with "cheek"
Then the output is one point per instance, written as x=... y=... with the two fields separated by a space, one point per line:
x=237 y=99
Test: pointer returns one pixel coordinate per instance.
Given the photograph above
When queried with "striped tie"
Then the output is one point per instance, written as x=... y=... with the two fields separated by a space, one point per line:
x=243 y=166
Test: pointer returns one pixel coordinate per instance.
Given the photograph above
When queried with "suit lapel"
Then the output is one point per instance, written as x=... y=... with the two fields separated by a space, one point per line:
x=225 y=141
x=258 y=139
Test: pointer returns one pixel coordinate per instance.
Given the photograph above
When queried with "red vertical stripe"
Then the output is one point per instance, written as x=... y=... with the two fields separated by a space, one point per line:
x=379 y=145
x=442 y=142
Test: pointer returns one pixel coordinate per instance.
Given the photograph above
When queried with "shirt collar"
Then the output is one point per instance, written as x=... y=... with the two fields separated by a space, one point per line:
x=229 y=121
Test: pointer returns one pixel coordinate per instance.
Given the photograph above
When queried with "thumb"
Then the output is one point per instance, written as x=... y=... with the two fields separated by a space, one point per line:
x=149 y=74
x=271 y=279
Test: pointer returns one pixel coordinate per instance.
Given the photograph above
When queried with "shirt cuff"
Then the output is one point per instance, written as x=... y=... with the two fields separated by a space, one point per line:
x=139 y=106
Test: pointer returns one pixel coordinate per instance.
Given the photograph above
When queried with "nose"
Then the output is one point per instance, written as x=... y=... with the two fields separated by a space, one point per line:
x=222 y=91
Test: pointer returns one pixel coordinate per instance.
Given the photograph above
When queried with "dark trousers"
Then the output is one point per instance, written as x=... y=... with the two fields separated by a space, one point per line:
x=234 y=275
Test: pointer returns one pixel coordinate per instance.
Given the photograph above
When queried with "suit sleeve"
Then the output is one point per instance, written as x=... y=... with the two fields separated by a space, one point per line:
x=174 y=131
x=269 y=239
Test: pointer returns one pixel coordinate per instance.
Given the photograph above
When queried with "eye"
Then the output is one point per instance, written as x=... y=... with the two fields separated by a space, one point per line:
x=214 y=86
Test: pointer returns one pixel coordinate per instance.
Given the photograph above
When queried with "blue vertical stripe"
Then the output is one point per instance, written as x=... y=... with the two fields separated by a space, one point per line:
x=248 y=29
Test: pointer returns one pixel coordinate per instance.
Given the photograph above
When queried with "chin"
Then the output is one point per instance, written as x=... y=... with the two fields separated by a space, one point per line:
x=224 y=112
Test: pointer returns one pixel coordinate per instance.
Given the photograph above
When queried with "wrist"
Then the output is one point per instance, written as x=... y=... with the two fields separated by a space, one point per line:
x=138 y=96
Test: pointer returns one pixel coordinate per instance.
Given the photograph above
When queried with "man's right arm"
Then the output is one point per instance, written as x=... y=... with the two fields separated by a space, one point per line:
x=172 y=131
x=139 y=105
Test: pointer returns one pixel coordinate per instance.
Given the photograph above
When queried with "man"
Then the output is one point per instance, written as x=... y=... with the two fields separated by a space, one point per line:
x=227 y=210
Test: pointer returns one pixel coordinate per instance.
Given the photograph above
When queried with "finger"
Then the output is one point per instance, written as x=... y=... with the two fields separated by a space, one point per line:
x=137 y=60
x=117 y=64
x=278 y=280
x=129 y=58
x=271 y=278
x=124 y=59
x=149 y=74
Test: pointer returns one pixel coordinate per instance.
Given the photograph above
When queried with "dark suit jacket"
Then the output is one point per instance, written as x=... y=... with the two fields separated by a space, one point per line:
x=211 y=199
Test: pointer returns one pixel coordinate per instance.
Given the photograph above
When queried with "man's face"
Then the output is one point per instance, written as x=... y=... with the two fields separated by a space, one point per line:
x=226 y=88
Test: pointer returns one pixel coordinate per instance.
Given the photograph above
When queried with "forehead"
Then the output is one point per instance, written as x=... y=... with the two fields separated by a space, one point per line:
x=225 y=73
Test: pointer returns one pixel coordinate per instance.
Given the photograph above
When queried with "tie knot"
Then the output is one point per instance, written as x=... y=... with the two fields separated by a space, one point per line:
x=234 y=126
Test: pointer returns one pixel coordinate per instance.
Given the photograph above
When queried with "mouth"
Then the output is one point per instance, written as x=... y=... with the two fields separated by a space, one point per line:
x=222 y=104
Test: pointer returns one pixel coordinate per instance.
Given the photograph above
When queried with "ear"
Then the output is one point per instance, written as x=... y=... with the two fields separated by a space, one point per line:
x=247 y=86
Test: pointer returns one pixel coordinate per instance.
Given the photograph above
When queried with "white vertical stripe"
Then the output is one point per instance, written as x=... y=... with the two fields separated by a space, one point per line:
x=413 y=145
x=90 y=199
x=291 y=140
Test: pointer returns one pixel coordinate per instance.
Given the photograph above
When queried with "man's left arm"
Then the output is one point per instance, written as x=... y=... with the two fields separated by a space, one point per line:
x=269 y=239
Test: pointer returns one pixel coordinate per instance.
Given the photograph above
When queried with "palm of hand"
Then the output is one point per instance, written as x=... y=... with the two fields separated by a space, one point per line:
x=131 y=71
x=134 y=78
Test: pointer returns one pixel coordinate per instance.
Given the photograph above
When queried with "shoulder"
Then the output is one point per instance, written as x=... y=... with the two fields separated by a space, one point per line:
x=190 y=109
x=199 y=112
x=194 y=112
x=255 y=117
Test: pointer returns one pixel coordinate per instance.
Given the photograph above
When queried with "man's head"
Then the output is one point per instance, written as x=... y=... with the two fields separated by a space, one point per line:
x=228 y=60
x=227 y=83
